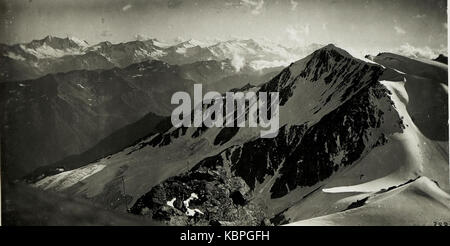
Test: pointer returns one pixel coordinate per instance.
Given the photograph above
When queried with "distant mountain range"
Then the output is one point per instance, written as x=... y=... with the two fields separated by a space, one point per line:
x=54 y=55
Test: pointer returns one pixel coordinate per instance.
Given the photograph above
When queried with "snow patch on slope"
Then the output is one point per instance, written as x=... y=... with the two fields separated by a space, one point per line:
x=67 y=179
x=191 y=212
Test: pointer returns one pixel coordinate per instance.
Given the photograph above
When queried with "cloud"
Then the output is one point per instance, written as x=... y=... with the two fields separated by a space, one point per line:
x=420 y=52
x=140 y=37
x=127 y=7
x=293 y=34
x=296 y=31
x=298 y=34
x=399 y=30
x=255 y=5
x=294 y=5
x=237 y=62
x=305 y=29
x=261 y=64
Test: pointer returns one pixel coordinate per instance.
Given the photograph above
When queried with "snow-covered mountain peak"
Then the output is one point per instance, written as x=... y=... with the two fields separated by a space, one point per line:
x=191 y=43
x=50 y=47
x=81 y=43
x=59 y=43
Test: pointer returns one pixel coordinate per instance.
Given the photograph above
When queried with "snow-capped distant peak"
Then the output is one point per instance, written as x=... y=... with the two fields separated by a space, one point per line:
x=192 y=43
x=54 y=47
x=57 y=42
x=79 y=42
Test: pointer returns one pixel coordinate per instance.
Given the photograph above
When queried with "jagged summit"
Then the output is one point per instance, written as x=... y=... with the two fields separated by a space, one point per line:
x=334 y=48
x=59 y=43
x=329 y=58
x=325 y=52
x=329 y=46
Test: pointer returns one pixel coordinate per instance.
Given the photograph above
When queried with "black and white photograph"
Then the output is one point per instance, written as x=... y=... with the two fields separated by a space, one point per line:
x=229 y=113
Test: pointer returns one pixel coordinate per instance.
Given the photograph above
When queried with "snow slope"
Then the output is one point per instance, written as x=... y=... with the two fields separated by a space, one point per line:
x=419 y=203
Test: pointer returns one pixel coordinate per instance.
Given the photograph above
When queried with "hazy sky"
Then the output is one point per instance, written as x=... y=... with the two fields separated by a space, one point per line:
x=355 y=23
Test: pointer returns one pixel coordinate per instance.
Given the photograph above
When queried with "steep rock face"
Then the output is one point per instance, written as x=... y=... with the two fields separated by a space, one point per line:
x=330 y=71
x=300 y=156
x=358 y=126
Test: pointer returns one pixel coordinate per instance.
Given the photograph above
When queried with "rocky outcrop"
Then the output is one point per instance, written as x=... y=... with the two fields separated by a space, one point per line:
x=219 y=197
